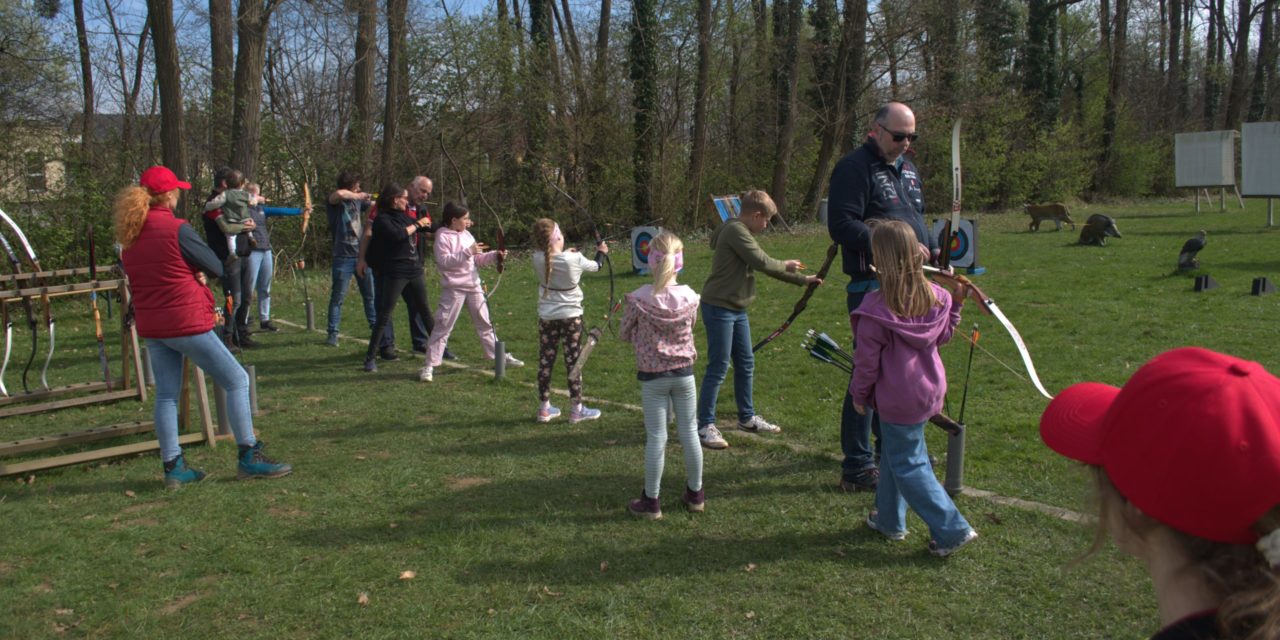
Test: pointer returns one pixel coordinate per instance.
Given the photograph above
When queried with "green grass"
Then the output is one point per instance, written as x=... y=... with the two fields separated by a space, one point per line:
x=516 y=529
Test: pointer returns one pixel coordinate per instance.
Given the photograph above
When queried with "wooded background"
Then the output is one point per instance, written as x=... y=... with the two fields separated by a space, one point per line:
x=638 y=109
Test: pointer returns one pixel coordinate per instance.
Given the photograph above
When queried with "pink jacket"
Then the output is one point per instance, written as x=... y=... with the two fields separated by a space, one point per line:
x=458 y=268
x=660 y=326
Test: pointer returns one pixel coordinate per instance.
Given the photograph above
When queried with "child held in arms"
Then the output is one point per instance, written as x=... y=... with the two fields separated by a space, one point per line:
x=235 y=203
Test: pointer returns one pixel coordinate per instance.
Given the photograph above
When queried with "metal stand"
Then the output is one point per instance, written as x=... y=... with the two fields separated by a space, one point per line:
x=311 y=316
x=499 y=360
x=954 y=482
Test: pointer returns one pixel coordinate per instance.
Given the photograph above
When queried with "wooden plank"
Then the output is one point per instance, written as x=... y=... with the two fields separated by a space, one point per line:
x=90 y=456
x=110 y=396
x=82 y=387
x=206 y=421
x=77 y=437
x=58 y=290
x=57 y=273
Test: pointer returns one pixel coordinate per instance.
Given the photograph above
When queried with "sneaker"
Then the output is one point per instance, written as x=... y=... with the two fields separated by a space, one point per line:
x=255 y=464
x=513 y=361
x=548 y=414
x=267 y=325
x=578 y=415
x=447 y=355
x=177 y=473
x=388 y=354
x=711 y=438
x=332 y=340
x=694 y=501
x=645 y=507
x=896 y=536
x=864 y=480
x=370 y=365
x=943 y=552
x=426 y=374
x=758 y=425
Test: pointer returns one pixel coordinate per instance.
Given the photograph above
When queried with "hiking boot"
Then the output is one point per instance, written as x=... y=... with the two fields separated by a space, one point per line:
x=230 y=343
x=370 y=365
x=177 y=473
x=864 y=480
x=243 y=340
x=758 y=425
x=447 y=355
x=255 y=464
x=513 y=361
x=388 y=354
x=547 y=414
x=896 y=536
x=942 y=552
x=267 y=325
x=711 y=438
x=694 y=501
x=426 y=374
x=332 y=340
x=645 y=507
x=581 y=412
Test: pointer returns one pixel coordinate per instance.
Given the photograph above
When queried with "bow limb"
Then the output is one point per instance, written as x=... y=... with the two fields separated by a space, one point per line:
x=803 y=302
x=953 y=226
x=48 y=309
x=306 y=208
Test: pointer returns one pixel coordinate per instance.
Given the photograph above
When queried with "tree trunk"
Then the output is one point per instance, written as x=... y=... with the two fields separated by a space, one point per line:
x=827 y=52
x=1117 y=35
x=168 y=77
x=222 y=94
x=697 y=155
x=1174 y=85
x=1184 y=90
x=1264 y=69
x=1239 y=66
x=246 y=121
x=1213 y=58
x=360 y=135
x=788 y=50
x=644 y=23
x=397 y=80
x=854 y=71
x=86 y=82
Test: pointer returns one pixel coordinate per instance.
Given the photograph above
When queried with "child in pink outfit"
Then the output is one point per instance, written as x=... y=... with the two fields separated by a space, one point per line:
x=659 y=322
x=458 y=258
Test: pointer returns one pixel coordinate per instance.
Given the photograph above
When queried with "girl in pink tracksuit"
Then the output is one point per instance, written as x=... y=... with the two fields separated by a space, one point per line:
x=458 y=257
x=658 y=321
x=897 y=372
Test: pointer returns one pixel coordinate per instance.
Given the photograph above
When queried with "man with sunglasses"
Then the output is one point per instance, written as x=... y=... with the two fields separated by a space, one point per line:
x=874 y=181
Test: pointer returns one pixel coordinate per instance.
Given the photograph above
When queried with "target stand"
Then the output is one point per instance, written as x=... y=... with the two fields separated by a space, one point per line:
x=640 y=239
x=963 y=247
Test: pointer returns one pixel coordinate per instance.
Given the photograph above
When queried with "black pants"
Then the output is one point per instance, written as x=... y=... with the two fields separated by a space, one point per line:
x=388 y=288
x=233 y=275
x=420 y=325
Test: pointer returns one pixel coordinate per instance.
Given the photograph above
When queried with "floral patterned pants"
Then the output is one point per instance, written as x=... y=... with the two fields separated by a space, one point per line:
x=550 y=334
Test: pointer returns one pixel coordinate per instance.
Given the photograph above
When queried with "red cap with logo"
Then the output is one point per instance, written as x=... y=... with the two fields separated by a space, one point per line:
x=1192 y=440
x=160 y=179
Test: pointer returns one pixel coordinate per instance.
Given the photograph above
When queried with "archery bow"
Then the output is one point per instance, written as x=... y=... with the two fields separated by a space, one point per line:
x=301 y=263
x=952 y=228
x=803 y=302
x=97 y=315
x=48 y=309
x=988 y=304
x=500 y=236
x=8 y=345
x=26 y=306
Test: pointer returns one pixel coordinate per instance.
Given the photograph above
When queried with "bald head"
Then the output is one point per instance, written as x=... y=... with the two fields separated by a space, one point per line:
x=893 y=120
x=420 y=189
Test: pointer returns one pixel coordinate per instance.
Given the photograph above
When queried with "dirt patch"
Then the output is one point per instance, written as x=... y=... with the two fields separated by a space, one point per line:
x=465 y=482
x=141 y=506
x=179 y=604
x=287 y=512
x=139 y=522
x=312 y=398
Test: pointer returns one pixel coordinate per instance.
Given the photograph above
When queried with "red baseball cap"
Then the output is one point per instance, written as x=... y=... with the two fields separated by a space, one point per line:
x=1192 y=440
x=160 y=179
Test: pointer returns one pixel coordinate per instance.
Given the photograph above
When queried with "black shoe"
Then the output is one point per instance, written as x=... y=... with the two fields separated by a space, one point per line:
x=862 y=481
x=420 y=348
x=388 y=354
x=244 y=341
x=230 y=343
x=267 y=325
x=448 y=355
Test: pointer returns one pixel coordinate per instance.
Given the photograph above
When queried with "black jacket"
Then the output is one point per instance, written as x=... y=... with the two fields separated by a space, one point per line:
x=392 y=251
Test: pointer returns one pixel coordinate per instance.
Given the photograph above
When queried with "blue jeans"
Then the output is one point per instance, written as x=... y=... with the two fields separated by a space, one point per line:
x=209 y=353
x=855 y=429
x=259 y=266
x=728 y=335
x=906 y=479
x=343 y=270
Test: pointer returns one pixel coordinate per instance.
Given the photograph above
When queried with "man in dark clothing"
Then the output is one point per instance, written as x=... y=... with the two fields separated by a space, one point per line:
x=236 y=331
x=346 y=208
x=876 y=180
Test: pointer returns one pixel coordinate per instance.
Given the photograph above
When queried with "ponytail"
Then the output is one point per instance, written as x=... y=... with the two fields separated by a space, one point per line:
x=542 y=230
x=666 y=247
x=130 y=212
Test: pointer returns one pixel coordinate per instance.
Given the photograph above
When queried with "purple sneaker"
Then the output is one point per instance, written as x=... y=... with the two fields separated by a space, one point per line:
x=694 y=501
x=645 y=507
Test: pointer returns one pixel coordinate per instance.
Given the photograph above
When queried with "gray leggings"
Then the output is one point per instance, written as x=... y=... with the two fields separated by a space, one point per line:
x=656 y=397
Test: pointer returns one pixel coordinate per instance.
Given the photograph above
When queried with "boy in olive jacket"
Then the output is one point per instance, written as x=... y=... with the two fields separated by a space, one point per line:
x=725 y=297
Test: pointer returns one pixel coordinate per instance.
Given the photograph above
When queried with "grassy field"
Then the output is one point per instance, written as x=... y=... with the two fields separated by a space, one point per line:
x=515 y=529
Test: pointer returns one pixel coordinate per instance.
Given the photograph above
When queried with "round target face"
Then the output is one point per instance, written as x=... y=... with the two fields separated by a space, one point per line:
x=641 y=246
x=960 y=244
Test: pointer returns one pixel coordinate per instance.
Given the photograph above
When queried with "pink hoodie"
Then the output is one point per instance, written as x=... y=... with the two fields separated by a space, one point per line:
x=896 y=367
x=456 y=264
x=660 y=326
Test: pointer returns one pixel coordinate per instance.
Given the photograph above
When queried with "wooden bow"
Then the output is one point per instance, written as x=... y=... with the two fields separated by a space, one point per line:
x=803 y=302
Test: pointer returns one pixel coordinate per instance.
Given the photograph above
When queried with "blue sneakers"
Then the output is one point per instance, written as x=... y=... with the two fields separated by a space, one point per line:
x=177 y=473
x=255 y=464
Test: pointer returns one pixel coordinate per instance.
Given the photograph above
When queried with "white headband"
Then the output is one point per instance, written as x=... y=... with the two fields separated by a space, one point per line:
x=1269 y=545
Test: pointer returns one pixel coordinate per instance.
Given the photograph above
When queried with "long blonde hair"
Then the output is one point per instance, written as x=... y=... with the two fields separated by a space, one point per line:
x=900 y=268
x=130 y=211
x=664 y=272
x=542 y=230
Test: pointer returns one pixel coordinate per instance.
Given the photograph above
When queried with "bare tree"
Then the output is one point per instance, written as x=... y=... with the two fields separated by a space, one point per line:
x=222 y=94
x=86 y=80
x=787 y=40
x=361 y=132
x=1265 y=67
x=1115 y=37
x=397 y=71
x=698 y=150
x=168 y=77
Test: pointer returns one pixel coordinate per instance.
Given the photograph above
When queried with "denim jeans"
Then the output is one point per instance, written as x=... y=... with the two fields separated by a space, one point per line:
x=343 y=270
x=906 y=479
x=728 y=336
x=855 y=429
x=208 y=352
x=259 y=267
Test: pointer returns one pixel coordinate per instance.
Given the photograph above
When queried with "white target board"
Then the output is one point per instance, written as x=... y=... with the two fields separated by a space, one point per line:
x=1205 y=159
x=964 y=244
x=1260 y=160
x=640 y=239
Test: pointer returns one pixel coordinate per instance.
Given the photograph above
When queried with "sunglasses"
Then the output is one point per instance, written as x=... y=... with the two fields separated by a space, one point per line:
x=897 y=136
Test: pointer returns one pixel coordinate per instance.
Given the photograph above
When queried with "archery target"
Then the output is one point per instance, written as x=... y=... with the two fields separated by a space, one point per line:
x=964 y=244
x=640 y=239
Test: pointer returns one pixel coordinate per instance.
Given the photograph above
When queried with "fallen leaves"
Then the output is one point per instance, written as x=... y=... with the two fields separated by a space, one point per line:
x=363 y=600
x=554 y=594
x=604 y=566
x=130 y=494
x=408 y=575
x=751 y=566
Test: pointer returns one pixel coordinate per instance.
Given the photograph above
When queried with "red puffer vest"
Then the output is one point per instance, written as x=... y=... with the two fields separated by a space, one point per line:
x=168 y=302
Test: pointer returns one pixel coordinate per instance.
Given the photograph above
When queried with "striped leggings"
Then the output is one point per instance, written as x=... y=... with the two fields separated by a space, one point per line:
x=656 y=396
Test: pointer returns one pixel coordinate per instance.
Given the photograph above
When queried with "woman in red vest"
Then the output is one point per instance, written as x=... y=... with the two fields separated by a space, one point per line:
x=166 y=262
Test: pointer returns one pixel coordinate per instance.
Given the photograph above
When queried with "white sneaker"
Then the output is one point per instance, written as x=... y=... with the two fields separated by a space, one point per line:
x=426 y=374
x=548 y=414
x=576 y=416
x=711 y=438
x=513 y=361
x=758 y=425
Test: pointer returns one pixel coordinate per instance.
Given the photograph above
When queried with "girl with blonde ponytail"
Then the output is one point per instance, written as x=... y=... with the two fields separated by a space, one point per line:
x=658 y=322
